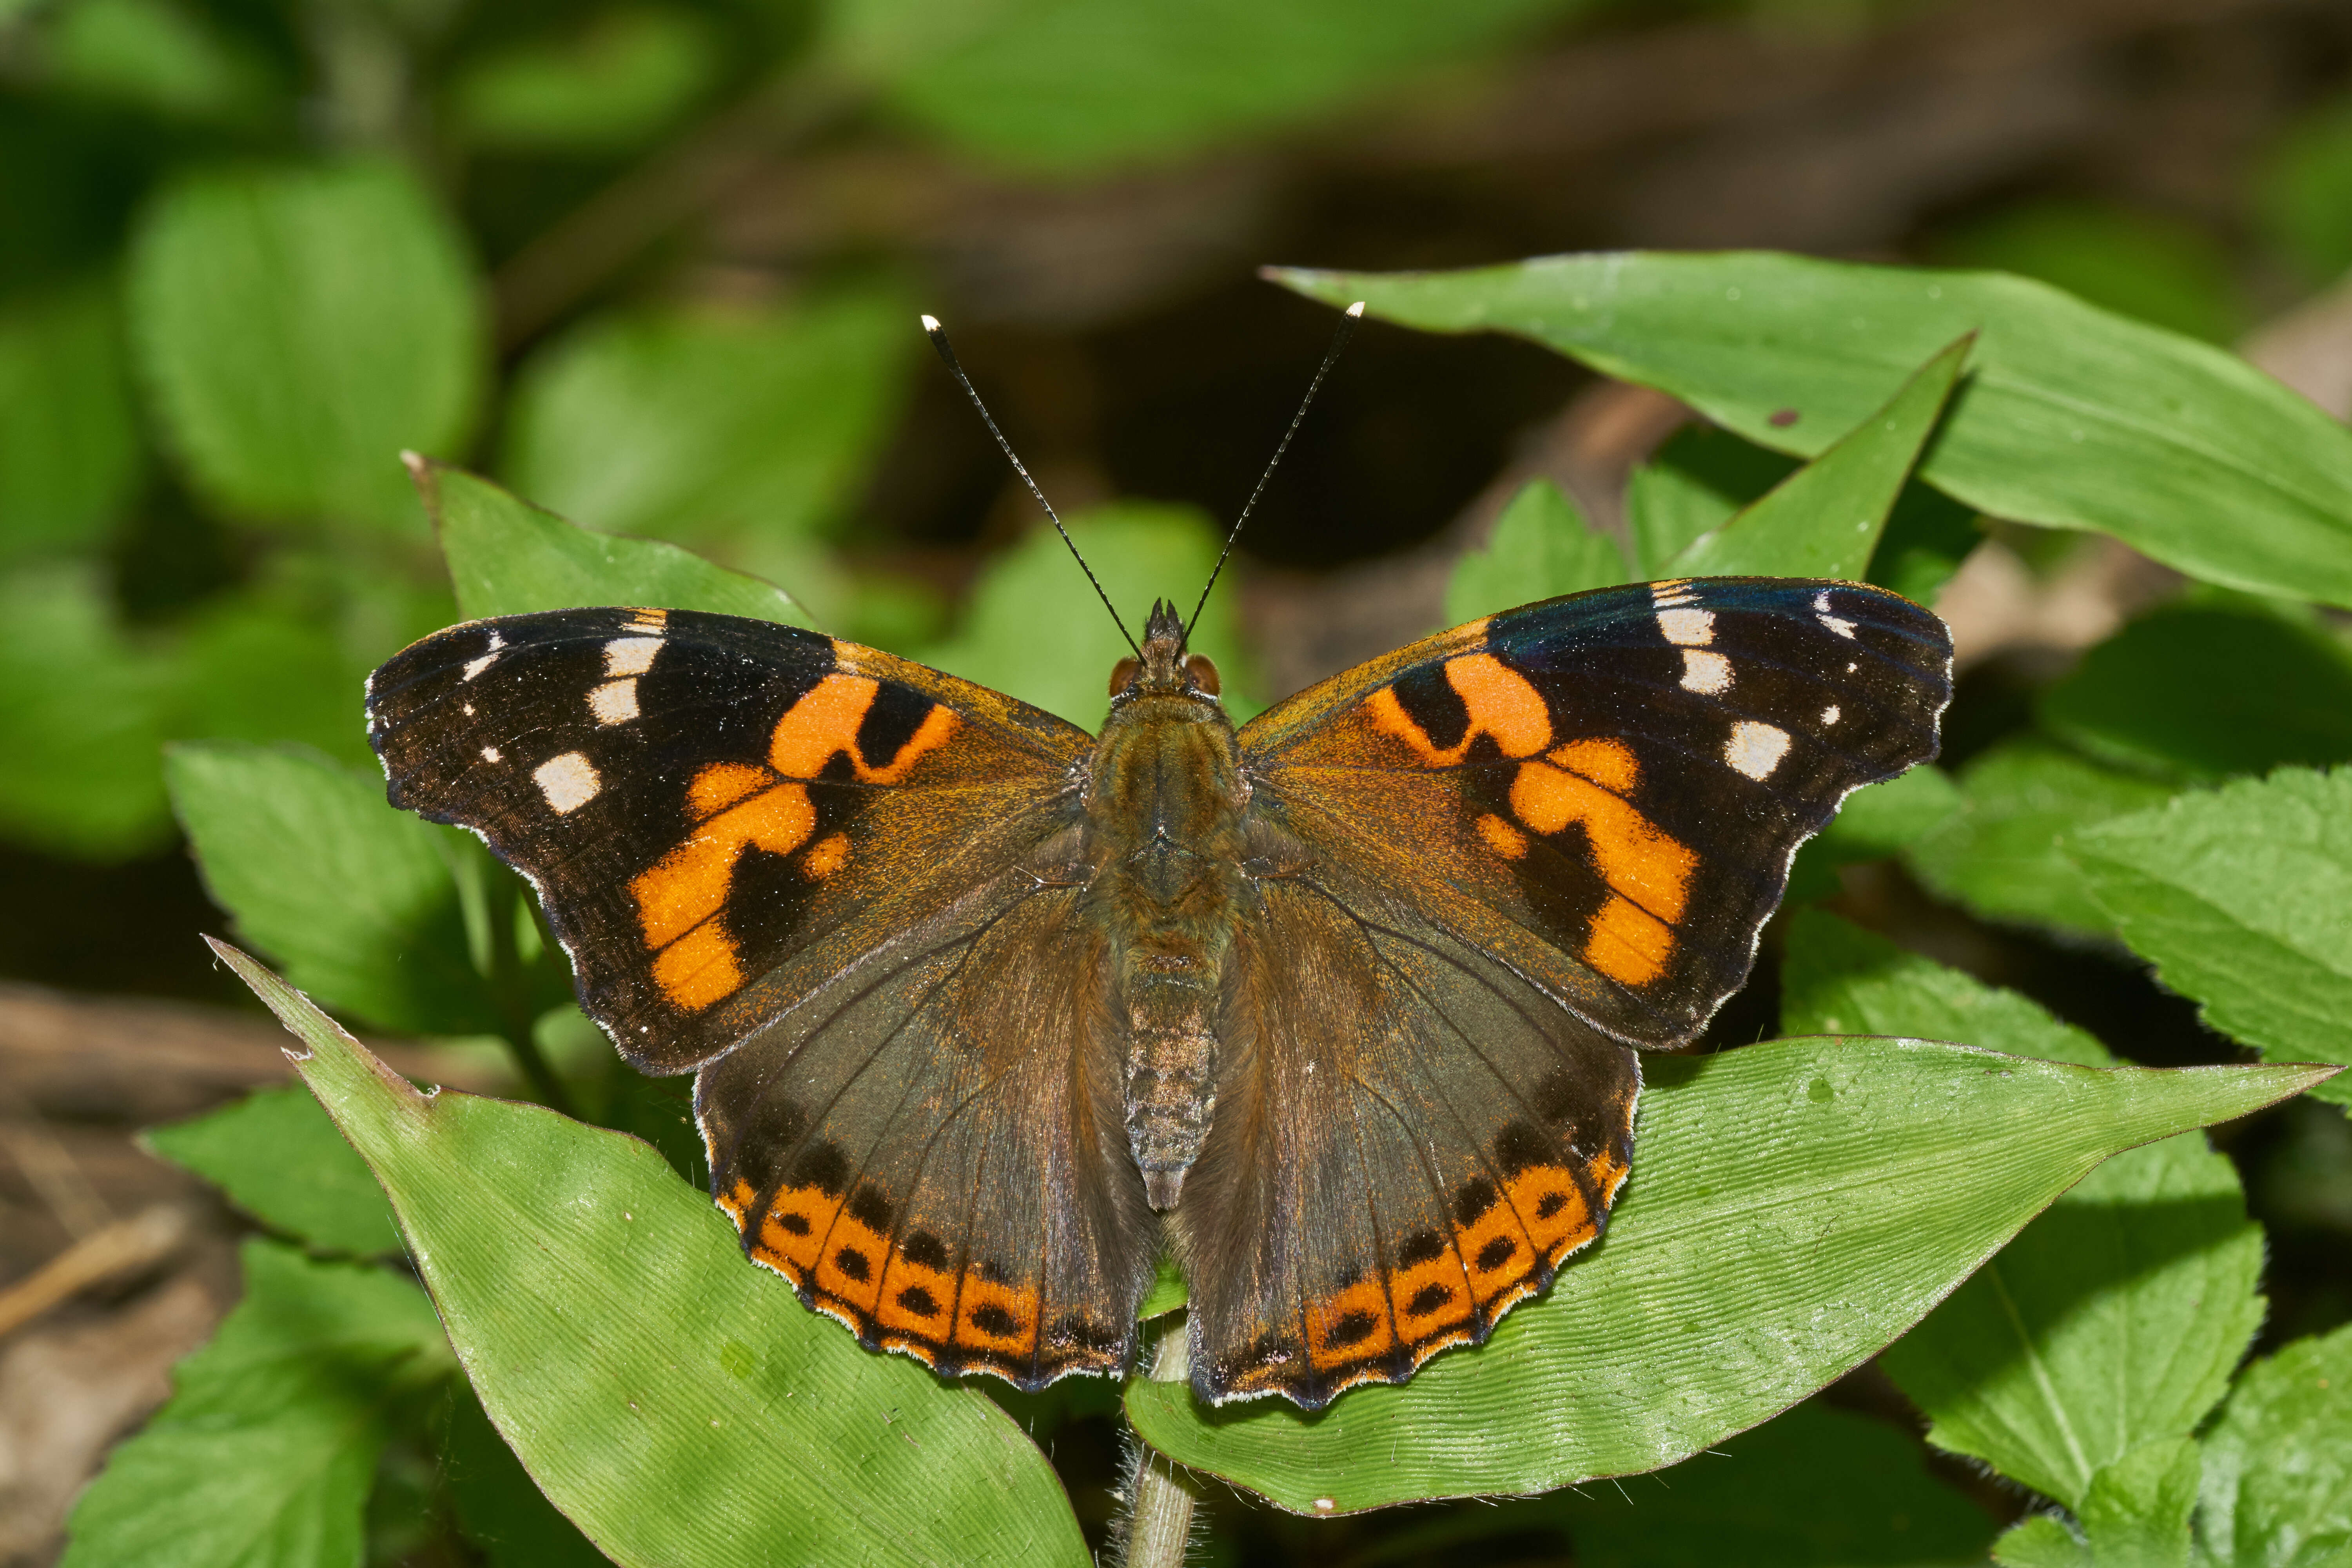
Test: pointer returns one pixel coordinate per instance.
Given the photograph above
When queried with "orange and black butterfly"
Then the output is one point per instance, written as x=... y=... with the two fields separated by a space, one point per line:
x=1343 y=1005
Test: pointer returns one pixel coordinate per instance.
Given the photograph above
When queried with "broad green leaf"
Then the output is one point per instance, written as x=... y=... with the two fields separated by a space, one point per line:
x=264 y=1455
x=252 y=669
x=2278 y=1463
x=497 y=1506
x=280 y=1160
x=2114 y=1319
x=157 y=56
x=1825 y=520
x=1796 y=1205
x=2238 y=896
x=360 y=902
x=678 y=1404
x=1874 y=822
x=299 y=328
x=704 y=423
x=2303 y=192
x=2163 y=271
x=1542 y=548
x=1692 y=485
x=1069 y=85
x=1814 y=1486
x=81 y=720
x=2135 y=1514
x=67 y=426
x=2199 y=691
x=2072 y=417
x=507 y=557
x=2000 y=856
x=1036 y=631
x=615 y=79
x=2040 y=1541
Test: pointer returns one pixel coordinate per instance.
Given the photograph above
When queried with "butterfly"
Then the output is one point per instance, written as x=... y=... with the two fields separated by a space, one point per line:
x=1342 y=1006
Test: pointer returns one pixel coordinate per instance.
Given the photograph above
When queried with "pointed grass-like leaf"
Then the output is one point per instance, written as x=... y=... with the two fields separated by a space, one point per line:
x=1542 y=548
x=1795 y=1205
x=2113 y=1321
x=680 y=1405
x=2238 y=896
x=2072 y=416
x=507 y=557
x=1825 y=520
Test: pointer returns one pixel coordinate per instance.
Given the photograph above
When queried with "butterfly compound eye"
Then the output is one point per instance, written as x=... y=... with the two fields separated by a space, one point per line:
x=1121 y=674
x=1203 y=673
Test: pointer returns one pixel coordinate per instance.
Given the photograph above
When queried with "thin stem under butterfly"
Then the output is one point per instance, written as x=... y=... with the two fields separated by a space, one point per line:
x=939 y=336
x=1339 y=341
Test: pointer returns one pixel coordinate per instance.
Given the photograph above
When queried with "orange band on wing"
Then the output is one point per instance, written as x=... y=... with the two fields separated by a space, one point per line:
x=1502 y=703
x=825 y=723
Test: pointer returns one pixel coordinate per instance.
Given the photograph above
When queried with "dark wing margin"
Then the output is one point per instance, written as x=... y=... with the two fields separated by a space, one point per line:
x=705 y=802
x=1606 y=790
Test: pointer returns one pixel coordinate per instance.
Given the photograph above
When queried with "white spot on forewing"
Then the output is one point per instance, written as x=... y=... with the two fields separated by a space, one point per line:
x=1755 y=748
x=1830 y=714
x=490 y=754
x=630 y=656
x=475 y=667
x=1708 y=674
x=569 y=782
x=1821 y=600
x=1686 y=628
x=469 y=709
x=1842 y=628
x=1666 y=595
x=615 y=702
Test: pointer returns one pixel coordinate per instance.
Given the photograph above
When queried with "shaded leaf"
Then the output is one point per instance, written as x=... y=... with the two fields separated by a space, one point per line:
x=2238 y=896
x=359 y=900
x=264 y=1455
x=619 y=77
x=65 y=421
x=1872 y=824
x=705 y=423
x=251 y=670
x=2072 y=417
x=1541 y=547
x=497 y=1504
x=2135 y=1514
x=1825 y=520
x=2198 y=691
x=2163 y=271
x=299 y=328
x=1036 y=630
x=1797 y=1204
x=507 y=557
x=1692 y=485
x=152 y=55
x=2303 y=192
x=2041 y=1542
x=2278 y=1463
x=280 y=1160
x=2111 y=1321
x=606 y=1316
x=2000 y=854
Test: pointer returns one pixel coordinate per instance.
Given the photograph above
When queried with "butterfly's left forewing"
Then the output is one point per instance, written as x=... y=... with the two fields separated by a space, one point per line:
x=1484 y=868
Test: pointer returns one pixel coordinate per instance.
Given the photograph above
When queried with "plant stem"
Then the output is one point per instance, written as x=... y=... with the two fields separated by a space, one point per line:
x=1160 y=1526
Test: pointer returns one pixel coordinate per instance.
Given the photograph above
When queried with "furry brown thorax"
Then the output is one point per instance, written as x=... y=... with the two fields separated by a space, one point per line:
x=1164 y=799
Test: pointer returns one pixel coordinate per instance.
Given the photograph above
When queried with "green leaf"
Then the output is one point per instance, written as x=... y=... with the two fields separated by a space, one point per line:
x=1825 y=520
x=2238 y=896
x=2072 y=417
x=280 y=1160
x=2114 y=1319
x=1141 y=551
x=2303 y=192
x=66 y=420
x=1069 y=85
x=710 y=423
x=264 y=1455
x=2162 y=271
x=252 y=669
x=507 y=557
x=2278 y=1463
x=301 y=327
x=1542 y=548
x=1692 y=485
x=2000 y=854
x=498 y=1505
x=1168 y=1292
x=680 y=1405
x=1927 y=536
x=151 y=55
x=619 y=77
x=1797 y=1204
x=2135 y=1514
x=81 y=720
x=362 y=902
x=1876 y=821
x=2198 y=691
x=2041 y=1542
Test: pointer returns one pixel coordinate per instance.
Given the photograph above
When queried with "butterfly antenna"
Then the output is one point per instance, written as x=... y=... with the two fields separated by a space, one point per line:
x=1347 y=329
x=939 y=337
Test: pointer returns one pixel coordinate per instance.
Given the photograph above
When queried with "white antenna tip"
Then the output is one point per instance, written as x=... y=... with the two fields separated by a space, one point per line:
x=1356 y=310
x=930 y=323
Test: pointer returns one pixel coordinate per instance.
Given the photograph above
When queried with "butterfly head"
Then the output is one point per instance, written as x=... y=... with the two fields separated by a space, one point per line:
x=1165 y=670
